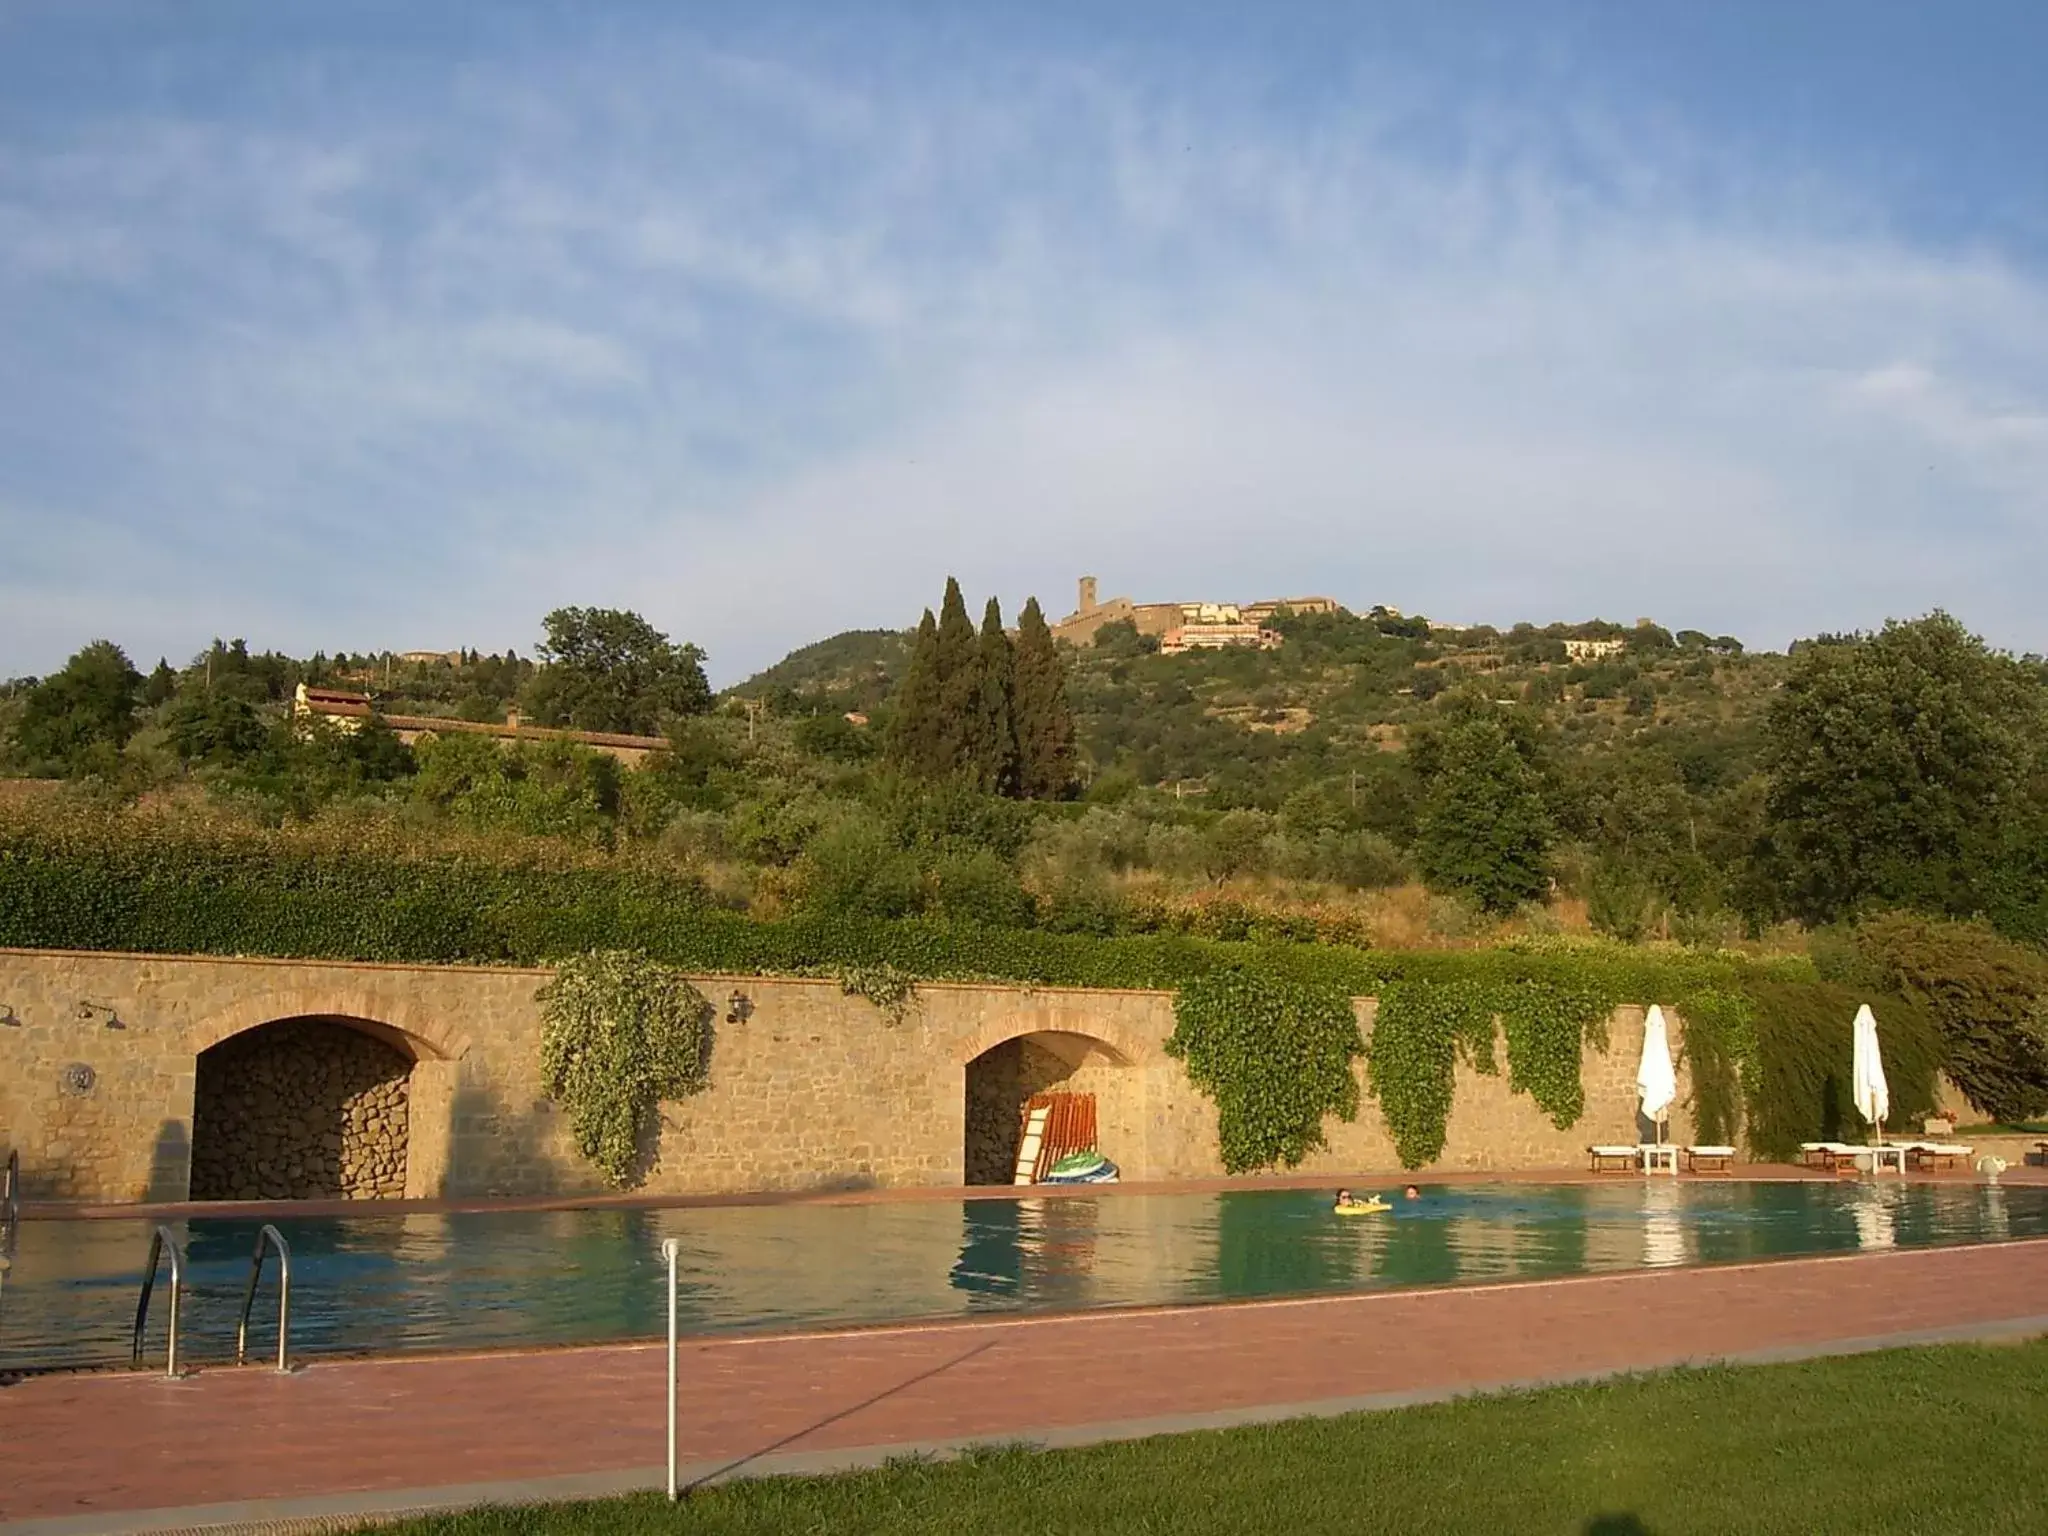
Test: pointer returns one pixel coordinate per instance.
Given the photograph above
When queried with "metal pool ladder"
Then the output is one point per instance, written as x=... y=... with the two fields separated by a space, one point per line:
x=161 y=1239
x=10 y=1217
x=10 y=1202
x=269 y=1237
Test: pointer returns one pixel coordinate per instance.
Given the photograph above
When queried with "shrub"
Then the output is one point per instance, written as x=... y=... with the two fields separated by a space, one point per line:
x=1804 y=1041
x=855 y=866
x=978 y=887
x=1986 y=993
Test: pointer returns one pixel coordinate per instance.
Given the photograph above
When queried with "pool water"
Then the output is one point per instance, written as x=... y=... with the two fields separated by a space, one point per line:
x=392 y=1284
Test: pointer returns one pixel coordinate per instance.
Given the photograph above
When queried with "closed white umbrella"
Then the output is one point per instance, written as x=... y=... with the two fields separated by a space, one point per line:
x=1656 y=1080
x=1867 y=1087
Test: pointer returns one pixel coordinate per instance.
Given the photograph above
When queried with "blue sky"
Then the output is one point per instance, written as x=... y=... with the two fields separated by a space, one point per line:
x=375 y=324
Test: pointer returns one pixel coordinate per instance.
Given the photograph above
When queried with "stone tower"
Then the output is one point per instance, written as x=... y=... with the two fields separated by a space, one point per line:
x=1087 y=594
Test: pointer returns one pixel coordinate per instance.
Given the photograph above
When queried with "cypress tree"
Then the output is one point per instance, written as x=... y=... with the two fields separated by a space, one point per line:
x=1039 y=712
x=998 y=735
x=911 y=745
x=956 y=670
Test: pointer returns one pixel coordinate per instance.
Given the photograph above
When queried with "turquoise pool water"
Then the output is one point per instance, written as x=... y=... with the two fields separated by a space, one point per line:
x=410 y=1283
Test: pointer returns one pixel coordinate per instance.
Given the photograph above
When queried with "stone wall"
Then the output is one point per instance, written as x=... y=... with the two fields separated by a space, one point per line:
x=300 y=1110
x=809 y=1089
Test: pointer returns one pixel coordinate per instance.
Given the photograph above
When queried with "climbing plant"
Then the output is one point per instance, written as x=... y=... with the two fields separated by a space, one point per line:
x=620 y=1033
x=1721 y=1050
x=1548 y=1028
x=889 y=989
x=1275 y=1054
x=1417 y=1035
x=1424 y=1026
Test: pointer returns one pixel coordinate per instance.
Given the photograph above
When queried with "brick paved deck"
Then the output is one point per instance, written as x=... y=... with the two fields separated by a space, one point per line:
x=97 y=1446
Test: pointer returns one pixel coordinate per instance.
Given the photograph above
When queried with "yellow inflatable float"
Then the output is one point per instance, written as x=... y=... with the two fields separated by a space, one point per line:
x=1367 y=1207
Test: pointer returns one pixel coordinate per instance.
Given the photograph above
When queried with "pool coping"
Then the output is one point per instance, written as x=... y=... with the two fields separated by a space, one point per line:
x=319 y=1513
x=185 y=1210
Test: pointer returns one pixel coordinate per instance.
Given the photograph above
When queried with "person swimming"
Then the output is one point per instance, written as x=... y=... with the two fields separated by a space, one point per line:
x=1411 y=1193
x=1344 y=1199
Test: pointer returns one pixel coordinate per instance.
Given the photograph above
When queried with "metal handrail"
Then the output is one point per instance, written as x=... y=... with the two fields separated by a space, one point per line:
x=12 y=1206
x=270 y=1237
x=10 y=1216
x=161 y=1239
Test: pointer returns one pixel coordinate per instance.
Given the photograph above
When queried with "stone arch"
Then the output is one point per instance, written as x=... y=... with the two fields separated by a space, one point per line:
x=1013 y=1059
x=1127 y=1045
x=303 y=1108
x=388 y=1016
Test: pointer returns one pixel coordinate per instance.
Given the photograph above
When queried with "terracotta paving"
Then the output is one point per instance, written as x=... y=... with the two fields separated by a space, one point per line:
x=80 y=1445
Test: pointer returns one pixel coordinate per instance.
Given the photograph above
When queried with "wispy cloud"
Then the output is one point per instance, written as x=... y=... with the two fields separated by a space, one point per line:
x=767 y=347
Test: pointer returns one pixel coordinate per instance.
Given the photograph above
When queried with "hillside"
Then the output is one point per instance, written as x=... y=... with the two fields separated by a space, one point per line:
x=1370 y=776
x=855 y=669
x=1246 y=727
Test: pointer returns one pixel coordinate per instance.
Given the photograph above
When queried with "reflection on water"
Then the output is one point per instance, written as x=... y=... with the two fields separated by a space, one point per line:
x=1663 y=1225
x=421 y=1282
x=1876 y=1225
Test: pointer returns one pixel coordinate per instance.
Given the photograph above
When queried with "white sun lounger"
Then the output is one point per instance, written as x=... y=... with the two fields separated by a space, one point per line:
x=1827 y=1154
x=1724 y=1157
x=1926 y=1154
x=1628 y=1157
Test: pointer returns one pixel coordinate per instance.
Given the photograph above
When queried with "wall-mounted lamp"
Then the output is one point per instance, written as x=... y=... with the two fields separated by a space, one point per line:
x=8 y=1020
x=87 y=1010
x=738 y=1008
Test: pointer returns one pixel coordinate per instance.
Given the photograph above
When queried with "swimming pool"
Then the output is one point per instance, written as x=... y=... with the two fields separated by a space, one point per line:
x=414 y=1283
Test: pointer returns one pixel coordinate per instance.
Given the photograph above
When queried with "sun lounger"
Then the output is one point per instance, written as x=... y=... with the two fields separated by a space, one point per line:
x=1720 y=1159
x=1827 y=1154
x=1944 y=1154
x=1615 y=1159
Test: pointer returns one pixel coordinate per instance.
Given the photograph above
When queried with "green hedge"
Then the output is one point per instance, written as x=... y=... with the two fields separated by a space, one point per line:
x=126 y=883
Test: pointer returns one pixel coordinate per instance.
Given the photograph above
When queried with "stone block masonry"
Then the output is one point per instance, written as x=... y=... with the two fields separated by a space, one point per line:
x=300 y=1110
x=151 y=1077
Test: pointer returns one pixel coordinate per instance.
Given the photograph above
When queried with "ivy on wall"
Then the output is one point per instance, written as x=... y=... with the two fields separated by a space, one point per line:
x=1765 y=1040
x=1721 y=1050
x=1424 y=1027
x=1417 y=1036
x=1276 y=1057
x=890 y=990
x=620 y=1033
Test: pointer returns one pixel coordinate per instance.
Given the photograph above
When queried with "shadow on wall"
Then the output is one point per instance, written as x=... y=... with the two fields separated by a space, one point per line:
x=1616 y=1525
x=496 y=1149
x=170 y=1164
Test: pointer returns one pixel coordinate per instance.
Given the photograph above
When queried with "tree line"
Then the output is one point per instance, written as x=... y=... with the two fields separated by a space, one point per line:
x=988 y=710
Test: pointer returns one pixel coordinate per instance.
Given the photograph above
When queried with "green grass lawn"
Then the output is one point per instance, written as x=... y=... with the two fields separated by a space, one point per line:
x=1923 y=1440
